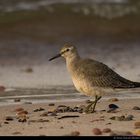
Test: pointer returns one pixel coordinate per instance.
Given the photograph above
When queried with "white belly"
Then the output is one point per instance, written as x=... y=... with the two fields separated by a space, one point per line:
x=86 y=88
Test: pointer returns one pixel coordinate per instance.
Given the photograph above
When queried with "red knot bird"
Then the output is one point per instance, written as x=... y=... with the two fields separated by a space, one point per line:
x=91 y=77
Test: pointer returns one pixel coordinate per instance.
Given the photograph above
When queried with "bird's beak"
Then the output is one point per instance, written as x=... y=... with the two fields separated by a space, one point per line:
x=58 y=55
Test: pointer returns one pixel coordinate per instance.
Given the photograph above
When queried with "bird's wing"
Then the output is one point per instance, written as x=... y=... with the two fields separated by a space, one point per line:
x=101 y=75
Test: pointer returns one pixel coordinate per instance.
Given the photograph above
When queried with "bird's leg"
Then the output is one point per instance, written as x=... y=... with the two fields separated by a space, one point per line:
x=87 y=110
x=97 y=98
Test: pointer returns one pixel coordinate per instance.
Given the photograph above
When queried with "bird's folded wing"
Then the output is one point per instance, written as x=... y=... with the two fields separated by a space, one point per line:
x=101 y=75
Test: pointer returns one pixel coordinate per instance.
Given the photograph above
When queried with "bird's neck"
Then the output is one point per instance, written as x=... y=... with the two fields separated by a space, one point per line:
x=72 y=59
x=72 y=62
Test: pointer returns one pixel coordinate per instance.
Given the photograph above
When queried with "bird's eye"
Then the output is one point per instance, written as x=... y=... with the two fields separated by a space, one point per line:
x=67 y=50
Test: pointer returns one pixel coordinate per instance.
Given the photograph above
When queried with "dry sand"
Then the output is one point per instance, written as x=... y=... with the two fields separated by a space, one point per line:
x=84 y=124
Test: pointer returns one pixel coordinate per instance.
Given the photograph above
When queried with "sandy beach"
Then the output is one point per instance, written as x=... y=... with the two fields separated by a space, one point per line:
x=40 y=119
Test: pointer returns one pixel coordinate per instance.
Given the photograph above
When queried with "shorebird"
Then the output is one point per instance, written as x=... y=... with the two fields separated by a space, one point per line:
x=92 y=77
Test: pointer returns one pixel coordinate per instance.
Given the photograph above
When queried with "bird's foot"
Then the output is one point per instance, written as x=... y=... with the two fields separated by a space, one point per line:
x=89 y=109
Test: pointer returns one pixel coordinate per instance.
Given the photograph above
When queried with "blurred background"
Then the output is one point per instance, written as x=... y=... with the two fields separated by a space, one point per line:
x=32 y=31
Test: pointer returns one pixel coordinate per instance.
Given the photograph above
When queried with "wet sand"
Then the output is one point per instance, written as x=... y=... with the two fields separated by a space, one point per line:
x=34 y=124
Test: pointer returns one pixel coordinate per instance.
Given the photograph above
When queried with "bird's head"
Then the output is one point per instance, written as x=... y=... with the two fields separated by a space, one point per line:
x=67 y=50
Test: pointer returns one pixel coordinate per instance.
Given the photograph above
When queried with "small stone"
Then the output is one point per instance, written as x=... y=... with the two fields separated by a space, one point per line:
x=22 y=118
x=27 y=102
x=16 y=133
x=108 y=123
x=137 y=125
x=44 y=114
x=106 y=130
x=61 y=127
x=39 y=109
x=129 y=118
x=24 y=112
x=97 y=131
x=118 y=118
x=113 y=99
x=136 y=108
x=51 y=104
x=113 y=106
x=75 y=133
x=6 y=122
x=16 y=100
x=28 y=70
x=52 y=114
x=9 y=118
x=121 y=118
x=61 y=106
x=73 y=121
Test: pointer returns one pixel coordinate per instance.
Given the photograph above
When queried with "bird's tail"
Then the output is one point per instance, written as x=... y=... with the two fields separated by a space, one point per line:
x=136 y=84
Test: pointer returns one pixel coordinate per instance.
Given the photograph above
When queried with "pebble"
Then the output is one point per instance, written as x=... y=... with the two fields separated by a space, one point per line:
x=118 y=118
x=137 y=125
x=39 y=109
x=129 y=118
x=113 y=99
x=9 y=118
x=108 y=123
x=113 y=106
x=28 y=70
x=73 y=121
x=122 y=118
x=22 y=118
x=106 y=130
x=51 y=104
x=75 y=133
x=27 y=102
x=24 y=112
x=16 y=100
x=52 y=114
x=136 y=108
x=6 y=122
x=16 y=133
x=44 y=114
x=97 y=131
x=63 y=108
